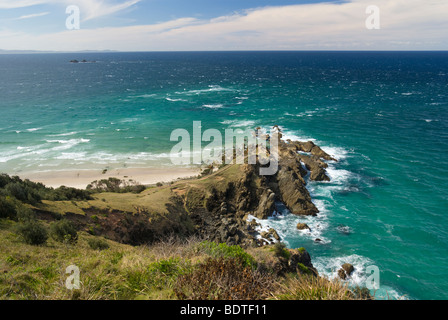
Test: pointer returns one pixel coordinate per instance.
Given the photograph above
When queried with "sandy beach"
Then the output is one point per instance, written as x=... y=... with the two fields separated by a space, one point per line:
x=81 y=178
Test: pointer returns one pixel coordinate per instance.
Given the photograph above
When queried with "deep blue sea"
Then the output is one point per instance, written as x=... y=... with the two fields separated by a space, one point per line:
x=383 y=115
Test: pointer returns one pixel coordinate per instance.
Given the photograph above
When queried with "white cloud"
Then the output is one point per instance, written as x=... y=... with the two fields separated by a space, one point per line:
x=34 y=15
x=405 y=25
x=12 y=4
x=90 y=9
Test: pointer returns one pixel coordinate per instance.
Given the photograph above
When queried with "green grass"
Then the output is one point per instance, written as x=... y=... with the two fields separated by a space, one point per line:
x=223 y=250
x=125 y=272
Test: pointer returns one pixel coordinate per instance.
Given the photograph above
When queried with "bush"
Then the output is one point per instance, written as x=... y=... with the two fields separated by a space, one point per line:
x=24 y=214
x=65 y=194
x=309 y=287
x=281 y=251
x=115 y=185
x=7 y=208
x=223 y=279
x=32 y=232
x=223 y=250
x=98 y=244
x=32 y=192
x=63 y=231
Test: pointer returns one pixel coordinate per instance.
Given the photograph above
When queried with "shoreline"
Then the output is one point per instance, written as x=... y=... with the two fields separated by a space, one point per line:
x=81 y=178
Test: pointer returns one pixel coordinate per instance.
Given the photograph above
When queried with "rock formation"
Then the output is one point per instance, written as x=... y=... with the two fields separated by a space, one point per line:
x=346 y=271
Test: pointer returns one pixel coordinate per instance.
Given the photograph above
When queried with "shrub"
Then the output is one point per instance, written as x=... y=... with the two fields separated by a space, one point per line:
x=32 y=232
x=7 y=208
x=115 y=185
x=223 y=250
x=280 y=250
x=32 y=192
x=309 y=287
x=303 y=269
x=98 y=244
x=63 y=231
x=223 y=279
x=65 y=194
x=24 y=214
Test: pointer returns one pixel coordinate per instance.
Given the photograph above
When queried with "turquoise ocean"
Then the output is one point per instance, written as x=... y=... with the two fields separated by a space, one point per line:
x=383 y=115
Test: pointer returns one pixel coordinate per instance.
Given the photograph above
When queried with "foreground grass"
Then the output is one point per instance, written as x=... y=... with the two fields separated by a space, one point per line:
x=167 y=270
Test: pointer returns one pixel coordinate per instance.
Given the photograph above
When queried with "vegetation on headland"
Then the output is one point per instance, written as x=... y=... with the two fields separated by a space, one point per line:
x=116 y=234
x=35 y=252
x=165 y=270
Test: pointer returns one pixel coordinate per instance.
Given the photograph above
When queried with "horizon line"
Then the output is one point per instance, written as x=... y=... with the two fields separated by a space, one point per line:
x=25 y=51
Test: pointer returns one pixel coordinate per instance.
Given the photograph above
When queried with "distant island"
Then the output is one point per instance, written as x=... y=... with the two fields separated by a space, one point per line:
x=82 y=61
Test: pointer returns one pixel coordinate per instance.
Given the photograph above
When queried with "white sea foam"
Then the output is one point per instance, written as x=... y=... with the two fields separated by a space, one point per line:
x=71 y=141
x=336 y=152
x=145 y=96
x=213 y=106
x=33 y=129
x=329 y=266
x=211 y=88
x=63 y=134
x=338 y=176
x=129 y=120
x=175 y=100
x=239 y=123
x=285 y=223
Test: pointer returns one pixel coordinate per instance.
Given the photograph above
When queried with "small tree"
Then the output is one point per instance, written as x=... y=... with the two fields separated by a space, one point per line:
x=63 y=231
x=7 y=208
x=32 y=232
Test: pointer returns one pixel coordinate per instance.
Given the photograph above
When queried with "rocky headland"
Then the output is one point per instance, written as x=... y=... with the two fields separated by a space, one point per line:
x=216 y=207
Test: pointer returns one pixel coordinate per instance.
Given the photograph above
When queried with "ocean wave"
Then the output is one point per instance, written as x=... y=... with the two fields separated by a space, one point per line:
x=329 y=266
x=239 y=123
x=175 y=100
x=284 y=222
x=33 y=129
x=63 y=134
x=211 y=88
x=144 y=96
x=213 y=106
x=129 y=120
x=106 y=157
x=338 y=153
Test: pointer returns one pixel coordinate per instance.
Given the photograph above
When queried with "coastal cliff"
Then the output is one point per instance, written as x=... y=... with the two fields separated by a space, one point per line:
x=214 y=209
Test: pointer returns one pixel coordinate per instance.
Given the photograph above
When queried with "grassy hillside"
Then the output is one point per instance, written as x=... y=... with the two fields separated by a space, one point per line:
x=167 y=270
x=43 y=231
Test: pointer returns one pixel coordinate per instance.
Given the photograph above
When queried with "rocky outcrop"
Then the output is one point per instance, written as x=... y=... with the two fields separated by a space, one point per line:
x=300 y=261
x=315 y=150
x=270 y=235
x=220 y=210
x=346 y=271
x=303 y=226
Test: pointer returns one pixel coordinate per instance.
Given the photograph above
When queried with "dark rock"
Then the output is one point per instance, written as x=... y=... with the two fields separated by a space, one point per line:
x=294 y=194
x=303 y=226
x=302 y=257
x=274 y=234
x=345 y=271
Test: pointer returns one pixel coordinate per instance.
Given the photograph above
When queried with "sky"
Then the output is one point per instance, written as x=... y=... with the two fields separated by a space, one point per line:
x=219 y=25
